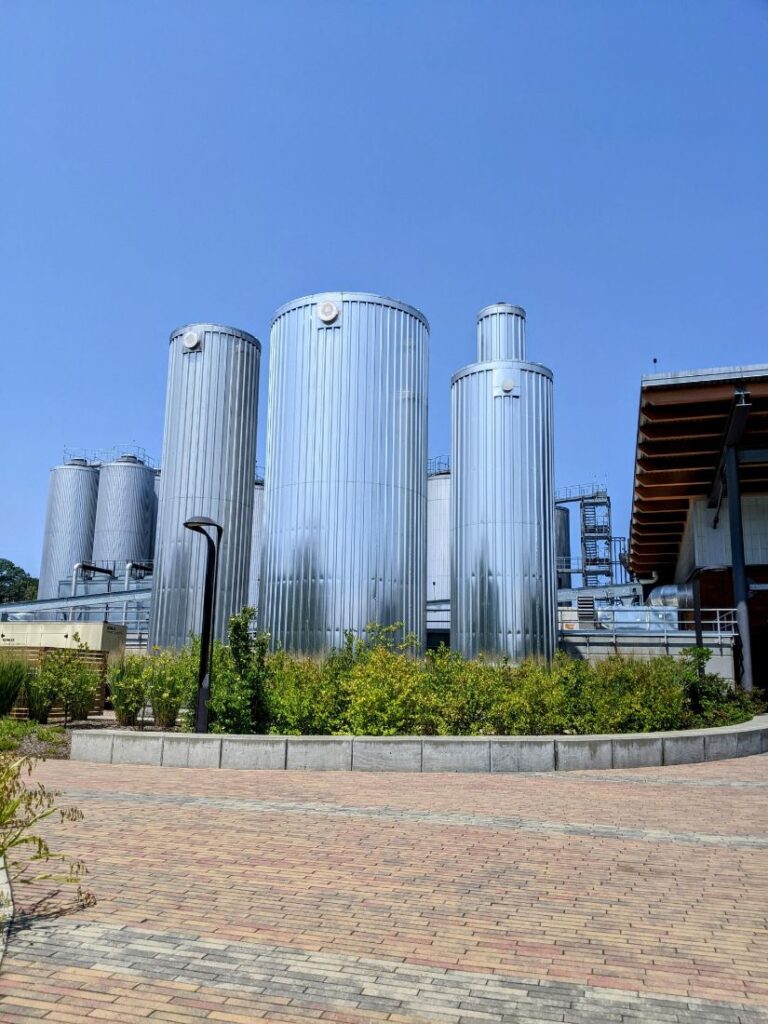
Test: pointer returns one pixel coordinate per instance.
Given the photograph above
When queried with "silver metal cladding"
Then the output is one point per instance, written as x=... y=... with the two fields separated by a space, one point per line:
x=69 y=523
x=208 y=466
x=500 y=332
x=439 y=537
x=346 y=467
x=254 y=576
x=125 y=511
x=503 y=580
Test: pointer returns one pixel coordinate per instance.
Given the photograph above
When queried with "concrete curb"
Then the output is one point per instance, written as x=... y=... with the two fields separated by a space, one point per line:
x=421 y=753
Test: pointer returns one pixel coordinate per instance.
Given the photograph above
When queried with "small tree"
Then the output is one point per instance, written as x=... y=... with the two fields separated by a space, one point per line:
x=22 y=809
x=64 y=675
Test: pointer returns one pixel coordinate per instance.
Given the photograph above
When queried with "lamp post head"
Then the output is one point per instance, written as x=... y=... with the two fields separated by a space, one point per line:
x=198 y=524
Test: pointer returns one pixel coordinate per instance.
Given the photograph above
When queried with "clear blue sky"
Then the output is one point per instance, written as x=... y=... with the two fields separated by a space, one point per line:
x=603 y=163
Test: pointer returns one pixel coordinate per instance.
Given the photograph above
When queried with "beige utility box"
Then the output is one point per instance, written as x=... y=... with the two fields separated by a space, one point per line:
x=100 y=636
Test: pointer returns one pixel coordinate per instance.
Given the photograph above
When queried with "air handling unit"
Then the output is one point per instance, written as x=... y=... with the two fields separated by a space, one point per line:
x=209 y=461
x=503 y=577
x=346 y=470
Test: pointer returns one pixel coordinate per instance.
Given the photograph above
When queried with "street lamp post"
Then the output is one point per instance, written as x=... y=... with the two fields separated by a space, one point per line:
x=201 y=524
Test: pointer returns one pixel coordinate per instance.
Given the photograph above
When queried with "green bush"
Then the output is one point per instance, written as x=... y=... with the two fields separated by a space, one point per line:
x=128 y=688
x=298 y=699
x=238 y=680
x=377 y=686
x=64 y=676
x=15 y=673
x=171 y=684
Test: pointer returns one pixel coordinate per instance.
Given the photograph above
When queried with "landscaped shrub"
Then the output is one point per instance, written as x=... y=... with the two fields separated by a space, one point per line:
x=378 y=686
x=15 y=672
x=238 y=681
x=300 y=699
x=64 y=676
x=171 y=681
x=387 y=695
x=128 y=688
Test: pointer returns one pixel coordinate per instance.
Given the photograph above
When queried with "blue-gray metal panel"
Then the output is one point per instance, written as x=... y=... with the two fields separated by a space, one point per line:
x=69 y=524
x=208 y=466
x=346 y=461
x=124 y=512
x=503 y=585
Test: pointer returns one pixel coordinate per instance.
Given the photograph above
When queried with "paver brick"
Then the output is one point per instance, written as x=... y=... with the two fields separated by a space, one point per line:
x=299 y=896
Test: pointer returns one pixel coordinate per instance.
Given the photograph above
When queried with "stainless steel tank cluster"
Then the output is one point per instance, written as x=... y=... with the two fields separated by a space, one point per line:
x=101 y=513
x=335 y=538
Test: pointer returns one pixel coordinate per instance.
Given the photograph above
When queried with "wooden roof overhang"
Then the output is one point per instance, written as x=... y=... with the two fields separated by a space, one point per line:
x=682 y=425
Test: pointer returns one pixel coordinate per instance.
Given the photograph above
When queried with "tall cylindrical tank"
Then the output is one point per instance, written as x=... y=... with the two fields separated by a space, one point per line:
x=209 y=459
x=155 y=505
x=346 y=470
x=69 y=523
x=438 y=537
x=124 y=511
x=256 y=541
x=503 y=580
x=563 y=545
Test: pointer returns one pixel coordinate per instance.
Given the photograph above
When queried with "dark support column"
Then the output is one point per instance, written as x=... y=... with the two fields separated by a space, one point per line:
x=740 y=587
x=697 y=612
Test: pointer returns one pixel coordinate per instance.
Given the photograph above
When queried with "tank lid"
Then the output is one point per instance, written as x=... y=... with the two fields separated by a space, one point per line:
x=134 y=460
x=501 y=307
x=339 y=297
x=201 y=328
x=76 y=462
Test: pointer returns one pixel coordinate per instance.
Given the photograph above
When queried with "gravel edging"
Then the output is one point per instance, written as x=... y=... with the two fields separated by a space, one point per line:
x=422 y=753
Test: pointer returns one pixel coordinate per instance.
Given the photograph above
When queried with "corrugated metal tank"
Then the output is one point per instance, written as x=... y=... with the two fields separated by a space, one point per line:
x=346 y=470
x=563 y=545
x=503 y=580
x=124 y=511
x=209 y=460
x=69 y=523
x=254 y=577
x=439 y=537
x=155 y=504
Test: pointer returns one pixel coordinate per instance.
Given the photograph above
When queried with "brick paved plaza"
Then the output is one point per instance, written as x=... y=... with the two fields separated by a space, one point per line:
x=236 y=896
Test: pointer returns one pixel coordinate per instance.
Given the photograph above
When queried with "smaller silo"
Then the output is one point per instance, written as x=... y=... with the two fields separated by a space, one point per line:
x=563 y=546
x=69 y=523
x=254 y=576
x=124 y=512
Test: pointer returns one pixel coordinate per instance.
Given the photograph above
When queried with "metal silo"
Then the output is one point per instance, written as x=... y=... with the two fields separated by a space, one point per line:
x=209 y=459
x=124 y=511
x=503 y=579
x=438 y=557
x=256 y=539
x=563 y=545
x=346 y=470
x=69 y=523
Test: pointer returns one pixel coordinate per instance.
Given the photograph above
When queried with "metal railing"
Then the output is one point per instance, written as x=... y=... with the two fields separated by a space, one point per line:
x=717 y=623
x=97 y=456
x=438 y=464
x=577 y=491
